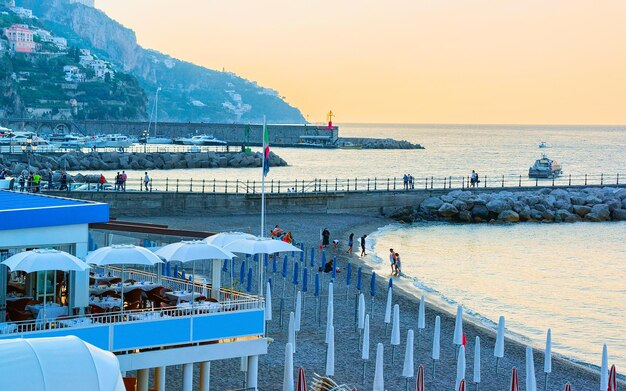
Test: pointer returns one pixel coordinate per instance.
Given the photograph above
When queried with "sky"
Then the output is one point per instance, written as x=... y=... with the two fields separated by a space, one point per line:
x=406 y=61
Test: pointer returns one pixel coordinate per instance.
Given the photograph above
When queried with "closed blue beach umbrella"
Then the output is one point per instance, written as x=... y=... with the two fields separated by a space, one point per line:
x=275 y=265
x=266 y=259
x=317 y=285
x=390 y=283
x=184 y=275
x=191 y=278
x=301 y=253
x=349 y=274
x=295 y=273
x=249 y=285
x=225 y=266
x=176 y=271
x=255 y=257
x=242 y=273
x=163 y=271
x=334 y=271
x=305 y=279
x=359 y=279
x=312 y=256
x=285 y=265
x=323 y=259
x=373 y=285
x=168 y=269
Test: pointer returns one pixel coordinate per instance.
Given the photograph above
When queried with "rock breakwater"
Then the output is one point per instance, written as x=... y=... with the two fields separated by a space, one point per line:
x=377 y=143
x=17 y=163
x=544 y=205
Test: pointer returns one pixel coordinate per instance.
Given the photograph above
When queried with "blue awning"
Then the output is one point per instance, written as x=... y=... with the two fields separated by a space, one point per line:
x=25 y=210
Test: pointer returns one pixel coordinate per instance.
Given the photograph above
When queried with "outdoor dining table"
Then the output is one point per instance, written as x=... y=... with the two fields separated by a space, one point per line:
x=146 y=315
x=146 y=286
x=103 y=278
x=205 y=306
x=7 y=328
x=53 y=310
x=76 y=322
x=182 y=295
x=106 y=302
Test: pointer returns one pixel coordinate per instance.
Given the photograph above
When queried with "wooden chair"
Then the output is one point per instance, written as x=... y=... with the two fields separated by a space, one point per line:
x=130 y=281
x=110 y=293
x=136 y=295
x=19 y=315
x=200 y=298
x=96 y=309
x=19 y=304
x=113 y=281
x=130 y=383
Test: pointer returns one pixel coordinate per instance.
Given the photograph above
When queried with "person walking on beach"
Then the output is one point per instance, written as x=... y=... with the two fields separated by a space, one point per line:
x=392 y=261
x=325 y=237
x=398 y=264
x=350 y=243
x=146 y=180
x=363 y=245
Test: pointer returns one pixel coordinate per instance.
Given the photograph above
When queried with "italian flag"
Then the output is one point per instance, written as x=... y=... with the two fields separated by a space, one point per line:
x=266 y=150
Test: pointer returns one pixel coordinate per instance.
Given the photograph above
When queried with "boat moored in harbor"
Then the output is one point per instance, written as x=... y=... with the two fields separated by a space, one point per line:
x=544 y=168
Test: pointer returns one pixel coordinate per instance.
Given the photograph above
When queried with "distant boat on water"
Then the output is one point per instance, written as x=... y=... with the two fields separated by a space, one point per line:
x=544 y=168
x=543 y=145
x=203 y=139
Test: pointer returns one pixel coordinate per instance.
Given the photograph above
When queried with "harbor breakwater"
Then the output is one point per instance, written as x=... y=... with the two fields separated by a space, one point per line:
x=17 y=163
x=567 y=205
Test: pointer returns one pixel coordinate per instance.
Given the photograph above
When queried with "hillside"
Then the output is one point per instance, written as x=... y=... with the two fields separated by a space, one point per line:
x=188 y=92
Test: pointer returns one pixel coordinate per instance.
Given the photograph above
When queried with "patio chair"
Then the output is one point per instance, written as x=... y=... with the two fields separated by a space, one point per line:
x=19 y=304
x=114 y=281
x=200 y=298
x=130 y=281
x=135 y=305
x=19 y=315
x=136 y=295
x=96 y=309
x=110 y=293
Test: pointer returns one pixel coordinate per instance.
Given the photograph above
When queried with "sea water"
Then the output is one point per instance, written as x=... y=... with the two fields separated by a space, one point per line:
x=567 y=277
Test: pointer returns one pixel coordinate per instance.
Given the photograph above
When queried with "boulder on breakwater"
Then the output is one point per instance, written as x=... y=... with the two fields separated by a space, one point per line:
x=95 y=161
x=376 y=143
x=544 y=205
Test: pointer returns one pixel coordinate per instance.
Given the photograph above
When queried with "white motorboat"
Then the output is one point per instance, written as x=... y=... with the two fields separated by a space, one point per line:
x=68 y=141
x=155 y=140
x=109 y=141
x=543 y=145
x=203 y=139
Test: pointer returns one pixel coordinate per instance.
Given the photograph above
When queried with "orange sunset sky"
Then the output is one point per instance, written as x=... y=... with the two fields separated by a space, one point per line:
x=407 y=61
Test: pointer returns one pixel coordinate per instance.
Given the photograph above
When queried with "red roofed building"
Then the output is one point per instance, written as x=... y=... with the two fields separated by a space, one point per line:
x=20 y=38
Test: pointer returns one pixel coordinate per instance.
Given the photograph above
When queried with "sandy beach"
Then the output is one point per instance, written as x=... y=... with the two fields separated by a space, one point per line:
x=310 y=348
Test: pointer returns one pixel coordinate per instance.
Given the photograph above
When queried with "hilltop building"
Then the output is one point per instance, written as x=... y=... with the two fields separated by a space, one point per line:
x=88 y=3
x=20 y=38
x=23 y=12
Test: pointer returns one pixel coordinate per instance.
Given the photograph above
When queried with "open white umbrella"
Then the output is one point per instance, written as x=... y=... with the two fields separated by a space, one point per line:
x=388 y=309
x=298 y=310
x=547 y=358
x=498 y=351
x=291 y=336
x=223 y=238
x=477 y=361
x=604 y=369
x=379 y=381
x=365 y=348
x=460 y=367
x=436 y=342
x=288 y=372
x=330 y=353
x=531 y=381
x=44 y=260
x=395 y=331
x=458 y=327
x=268 y=302
x=122 y=254
x=408 y=370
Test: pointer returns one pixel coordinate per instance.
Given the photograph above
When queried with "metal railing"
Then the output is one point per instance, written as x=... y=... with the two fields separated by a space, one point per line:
x=346 y=185
x=135 y=148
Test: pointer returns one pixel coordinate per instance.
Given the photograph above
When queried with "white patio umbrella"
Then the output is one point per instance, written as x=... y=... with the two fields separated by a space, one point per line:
x=421 y=319
x=330 y=353
x=460 y=367
x=298 y=311
x=379 y=381
x=268 y=302
x=223 y=238
x=395 y=331
x=365 y=348
x=547 y=358
x=408 y=370
x=291 y=336
x=388 y=309
x=458 y=327
x=122 y=254
x=604 y=369
x=477 y=361
x=498 y=351
x=531 y=381
x=44 y=260
x=260 y=246
x=436 y=342
x=288 y=372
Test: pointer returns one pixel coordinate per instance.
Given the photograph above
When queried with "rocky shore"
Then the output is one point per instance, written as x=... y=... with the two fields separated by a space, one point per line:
x=72 y=161
x=377 y=143
x=544 y=205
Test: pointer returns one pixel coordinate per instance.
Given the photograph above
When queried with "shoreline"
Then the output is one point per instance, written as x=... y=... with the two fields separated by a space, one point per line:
x=581 y=376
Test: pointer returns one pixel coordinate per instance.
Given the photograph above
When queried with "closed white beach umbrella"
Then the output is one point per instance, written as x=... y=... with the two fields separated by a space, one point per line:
x=288 y=373
x=498 y=351
x=329 y=311
x=531 y=381
x=477 y=360
x=388 y=309
x=458 y=327
x=379 y=381
x=365 y=349
x=57 y=364
x=268 y=302
x=330 y=353
x=408 y=369
x=361 y=312
x=460 y=367
x=291 y=336
x=395 y=328
x=298 y=310
x=604 y=369
x=547 y=361
x=437 y=339
x=421 y=317
x=223 y=238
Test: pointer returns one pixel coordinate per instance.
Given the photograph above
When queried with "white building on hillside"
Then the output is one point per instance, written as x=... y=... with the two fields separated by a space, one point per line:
x=88 y=3
x=23 y=12
x=60 y=42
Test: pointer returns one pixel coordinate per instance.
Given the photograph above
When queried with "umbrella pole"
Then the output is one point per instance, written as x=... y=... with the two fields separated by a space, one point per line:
x=45 y=292
x=317 y=312
x=393 y=353
x=545 y=386
x=434 y=362
x=372 y=308
x=193 y=284
x=356 y=312
x=122 y=291
x=386 y=324
x=303 y=303
x=360 y=341
x=497 y=359
x=407 y=384
x=281 y=312
x=364 y=361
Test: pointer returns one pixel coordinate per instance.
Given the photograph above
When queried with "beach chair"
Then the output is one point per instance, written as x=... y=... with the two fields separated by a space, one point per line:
x=322 y=383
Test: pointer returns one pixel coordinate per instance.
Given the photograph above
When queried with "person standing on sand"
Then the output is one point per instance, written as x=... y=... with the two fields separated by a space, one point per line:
x=363 y=245
x=350 y=243
x=325 y=237
x=392 y=261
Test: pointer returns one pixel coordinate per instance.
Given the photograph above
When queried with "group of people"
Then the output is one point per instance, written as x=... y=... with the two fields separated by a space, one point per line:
x=395 y=262
x=408 y=181
x=120 y=181
x=32 y=181
x=278 y=233
x=474 y=181
x=351 y=244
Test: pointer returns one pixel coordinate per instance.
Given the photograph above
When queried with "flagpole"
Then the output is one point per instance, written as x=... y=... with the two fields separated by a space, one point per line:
x=262 y=203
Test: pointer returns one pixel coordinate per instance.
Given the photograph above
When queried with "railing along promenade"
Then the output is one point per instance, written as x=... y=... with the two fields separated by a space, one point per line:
x=336 y=185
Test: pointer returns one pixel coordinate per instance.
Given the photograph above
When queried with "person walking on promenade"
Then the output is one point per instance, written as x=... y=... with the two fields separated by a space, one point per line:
x=63 y=181
x=101 y=183
x=50 y=182
x=411 y=182
x=363 y=245
x=325 y=237
x=117 y=181
x=22 y=181
x=350 y=243
x=392 y=261
x=474 y=179
x=146 y=180
x=124 y=177
x=405 y=180
x=36 y=181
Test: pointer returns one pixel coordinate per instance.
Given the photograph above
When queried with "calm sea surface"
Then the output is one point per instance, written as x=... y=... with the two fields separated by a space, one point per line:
x=570 y=277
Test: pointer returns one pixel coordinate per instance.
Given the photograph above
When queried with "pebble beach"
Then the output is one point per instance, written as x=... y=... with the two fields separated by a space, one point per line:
x=310 y=348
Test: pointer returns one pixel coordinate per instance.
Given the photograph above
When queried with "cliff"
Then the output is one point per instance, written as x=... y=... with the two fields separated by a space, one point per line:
x=189 y=92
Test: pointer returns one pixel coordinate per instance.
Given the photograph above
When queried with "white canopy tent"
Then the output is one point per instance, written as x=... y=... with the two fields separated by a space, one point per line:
x=57 y=364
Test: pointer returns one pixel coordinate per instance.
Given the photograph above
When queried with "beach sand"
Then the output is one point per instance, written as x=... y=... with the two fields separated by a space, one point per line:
x=310 y=347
